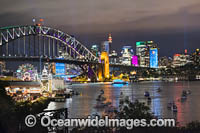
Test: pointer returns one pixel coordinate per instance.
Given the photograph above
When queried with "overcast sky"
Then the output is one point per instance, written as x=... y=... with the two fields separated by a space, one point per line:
x=173 y=24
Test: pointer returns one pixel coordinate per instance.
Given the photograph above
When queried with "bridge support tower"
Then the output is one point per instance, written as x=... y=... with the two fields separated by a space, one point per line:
x=103 y=71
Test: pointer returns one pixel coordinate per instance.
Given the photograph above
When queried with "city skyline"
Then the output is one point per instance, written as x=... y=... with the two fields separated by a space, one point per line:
x=171 y=24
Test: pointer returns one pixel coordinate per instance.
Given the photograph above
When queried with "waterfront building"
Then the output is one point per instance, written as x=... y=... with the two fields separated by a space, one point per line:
x=46 y=80
x=2 y=67
x=45 y=75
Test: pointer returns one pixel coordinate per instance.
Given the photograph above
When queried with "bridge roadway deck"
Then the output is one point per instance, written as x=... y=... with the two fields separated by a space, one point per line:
x=67 y=61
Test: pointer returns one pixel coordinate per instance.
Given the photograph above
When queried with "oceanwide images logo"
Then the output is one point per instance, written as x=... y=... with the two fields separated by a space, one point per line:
x=30 y=121
x=47 y=121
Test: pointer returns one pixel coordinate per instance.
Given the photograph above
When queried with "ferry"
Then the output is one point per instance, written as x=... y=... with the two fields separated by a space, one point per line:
x=119 y=81
x=146 y=94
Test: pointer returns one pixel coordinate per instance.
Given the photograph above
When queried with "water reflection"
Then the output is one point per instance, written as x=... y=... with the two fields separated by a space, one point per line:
x=82 y=106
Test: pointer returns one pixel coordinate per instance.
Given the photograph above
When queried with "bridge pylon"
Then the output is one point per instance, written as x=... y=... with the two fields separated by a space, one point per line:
x=103 y=71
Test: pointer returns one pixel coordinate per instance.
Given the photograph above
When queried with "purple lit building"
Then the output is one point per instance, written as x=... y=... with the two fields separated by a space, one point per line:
x=134 y=60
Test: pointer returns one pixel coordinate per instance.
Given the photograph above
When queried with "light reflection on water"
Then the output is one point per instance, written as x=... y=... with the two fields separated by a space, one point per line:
x=82 y=106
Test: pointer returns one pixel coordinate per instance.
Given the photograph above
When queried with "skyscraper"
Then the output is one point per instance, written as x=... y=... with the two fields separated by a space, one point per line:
x=95 y=50
x=153 y=58
x=105 y=47
x=110 y=42
x=135 y=60
x=127 y=53
x=143 y=52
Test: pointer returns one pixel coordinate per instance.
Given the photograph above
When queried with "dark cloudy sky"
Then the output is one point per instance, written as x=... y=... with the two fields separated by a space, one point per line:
x=173 y=24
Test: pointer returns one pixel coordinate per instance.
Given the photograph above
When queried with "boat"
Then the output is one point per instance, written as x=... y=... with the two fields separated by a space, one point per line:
x=100 y=98
x=110 y=109
x=59 y=98
x=121 y=98
x=159 y=90
x=146 y=94
x=170 y=104
x=188 y=92
x=108 y=103
x=119 y=81
x=102 y=91
x=149 y=99
x=174 y=108
x=100 y=105
x=184 y=95
x=68 y=90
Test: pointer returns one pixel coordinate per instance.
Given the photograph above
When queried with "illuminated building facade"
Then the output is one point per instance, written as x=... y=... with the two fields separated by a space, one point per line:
x=135 y=60
x=60 y=68
x=110 y=42
x=2 y=67
x=153 y=58
x=196 y=57
x=165 y=62
x=143 y=52
x=127 y=53
x=95 y=50
x=113 y=58
x=105 y=47
x=180 y=60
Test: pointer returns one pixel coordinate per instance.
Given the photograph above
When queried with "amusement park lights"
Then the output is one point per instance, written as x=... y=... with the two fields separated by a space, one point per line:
x=26 y=72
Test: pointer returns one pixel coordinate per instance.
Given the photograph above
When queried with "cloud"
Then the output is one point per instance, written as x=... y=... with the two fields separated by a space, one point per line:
x=101 y=12
x=127 y=20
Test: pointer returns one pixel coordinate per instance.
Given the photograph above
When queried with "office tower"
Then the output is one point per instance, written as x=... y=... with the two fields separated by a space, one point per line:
x=127 y=53
x=143 y=52
x=105 y=47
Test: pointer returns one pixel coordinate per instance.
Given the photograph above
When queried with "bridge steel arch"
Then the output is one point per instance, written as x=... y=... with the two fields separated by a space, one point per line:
x=72 y=46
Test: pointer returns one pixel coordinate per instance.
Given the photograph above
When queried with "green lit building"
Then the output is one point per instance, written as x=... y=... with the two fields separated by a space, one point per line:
x=143 y=52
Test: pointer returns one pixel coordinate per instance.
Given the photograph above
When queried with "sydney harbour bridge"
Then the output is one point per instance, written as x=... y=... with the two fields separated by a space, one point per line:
x=40 y=43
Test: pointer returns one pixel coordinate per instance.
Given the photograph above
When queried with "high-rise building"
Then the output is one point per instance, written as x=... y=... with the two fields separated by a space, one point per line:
x=110 y=38
x=95 y=50
x=195 y=57
x=127 y=53
x=113 y=58
x=153 y=58
x=165 y=62
x=110 y=42
x=143 y=52
x=135 y=60
x=105 y=47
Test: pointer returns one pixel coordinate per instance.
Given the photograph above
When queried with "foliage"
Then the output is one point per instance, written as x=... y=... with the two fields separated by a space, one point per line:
x=12 y=114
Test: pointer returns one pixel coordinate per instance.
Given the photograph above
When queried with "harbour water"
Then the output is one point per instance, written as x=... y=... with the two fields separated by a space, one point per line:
x=83 y=105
